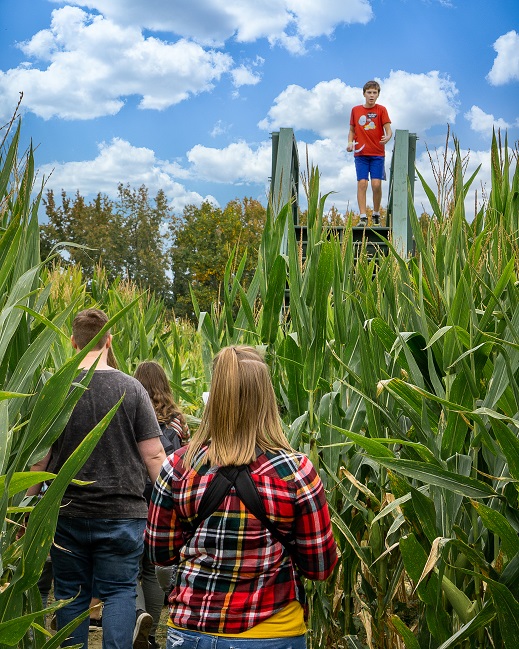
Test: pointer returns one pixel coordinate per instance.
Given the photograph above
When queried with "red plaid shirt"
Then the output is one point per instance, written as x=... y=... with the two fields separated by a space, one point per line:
x=233 y=574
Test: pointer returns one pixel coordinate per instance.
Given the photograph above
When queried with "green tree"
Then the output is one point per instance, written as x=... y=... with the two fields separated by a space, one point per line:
x=127 y=236
x=203 y=239
x=146 y=257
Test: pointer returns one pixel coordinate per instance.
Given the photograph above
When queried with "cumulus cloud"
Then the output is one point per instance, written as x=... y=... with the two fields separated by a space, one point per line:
x=506 y=63
x=119 y=161
x=320 y=18
x=244 y=76
x=94 y=64
x=286 y=22
x=483 y=123
x=325 y=108
x=236 y=163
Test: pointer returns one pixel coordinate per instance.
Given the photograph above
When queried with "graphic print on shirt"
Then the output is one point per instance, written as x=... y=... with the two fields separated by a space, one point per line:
x=367 y=122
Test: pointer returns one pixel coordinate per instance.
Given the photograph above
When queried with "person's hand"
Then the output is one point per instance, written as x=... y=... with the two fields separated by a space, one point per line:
x=385 y=139
x=350 y=146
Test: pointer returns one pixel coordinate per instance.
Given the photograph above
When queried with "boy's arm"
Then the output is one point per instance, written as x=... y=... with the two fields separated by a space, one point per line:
x=39 y=466
x=388 y=133
x=153 y=456
x=351 y=139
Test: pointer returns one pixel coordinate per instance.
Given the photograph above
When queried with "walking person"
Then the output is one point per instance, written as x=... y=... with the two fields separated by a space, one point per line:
x=99 y=534
x=370 y=131
x=175 y=433
x=238 y=582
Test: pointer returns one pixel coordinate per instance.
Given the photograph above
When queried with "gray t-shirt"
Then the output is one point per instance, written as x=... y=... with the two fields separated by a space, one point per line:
x=115 y=465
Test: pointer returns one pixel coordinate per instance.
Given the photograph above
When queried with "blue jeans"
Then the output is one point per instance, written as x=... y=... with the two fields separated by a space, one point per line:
x=107 y=551
x=178 y=639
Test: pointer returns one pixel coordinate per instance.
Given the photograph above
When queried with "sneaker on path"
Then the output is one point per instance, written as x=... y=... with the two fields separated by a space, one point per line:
x=142 y=630
x=375 y=219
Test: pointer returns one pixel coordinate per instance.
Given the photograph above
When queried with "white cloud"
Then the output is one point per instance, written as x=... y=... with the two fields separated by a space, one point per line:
x=483 y=123
x=285 y=22
x=236 y=163
x=244 y=76
x=95 y=64
x=119 y=161
x=325 y=108
x=320 y=18
x=220 y=128
x=506 y=63
x=417 y=102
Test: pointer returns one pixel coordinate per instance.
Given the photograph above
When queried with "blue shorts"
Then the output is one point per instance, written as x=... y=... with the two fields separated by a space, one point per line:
x=370 y=165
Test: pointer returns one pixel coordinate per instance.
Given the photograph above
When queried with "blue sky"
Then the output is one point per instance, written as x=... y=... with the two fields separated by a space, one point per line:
x=183 y=94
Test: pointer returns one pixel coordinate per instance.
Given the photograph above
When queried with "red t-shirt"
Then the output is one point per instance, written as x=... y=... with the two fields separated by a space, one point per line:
x=369 y=129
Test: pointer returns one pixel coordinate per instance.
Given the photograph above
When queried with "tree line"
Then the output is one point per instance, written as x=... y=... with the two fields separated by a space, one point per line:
x=138 y=237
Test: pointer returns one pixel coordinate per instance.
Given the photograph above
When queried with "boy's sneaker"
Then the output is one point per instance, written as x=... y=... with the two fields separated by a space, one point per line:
x=142 y=629
x=363 y=219
x=375 y=219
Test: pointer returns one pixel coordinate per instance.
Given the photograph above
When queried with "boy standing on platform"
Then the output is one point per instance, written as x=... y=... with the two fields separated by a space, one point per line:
x=370 y=131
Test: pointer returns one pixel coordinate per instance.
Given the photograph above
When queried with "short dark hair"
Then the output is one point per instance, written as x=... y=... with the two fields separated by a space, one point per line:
x=371 y=84
x=87 y=324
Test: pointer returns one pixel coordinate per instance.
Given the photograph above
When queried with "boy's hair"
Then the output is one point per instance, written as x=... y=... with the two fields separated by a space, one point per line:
x=241 y=412
x=371 y=84
x=87 y=324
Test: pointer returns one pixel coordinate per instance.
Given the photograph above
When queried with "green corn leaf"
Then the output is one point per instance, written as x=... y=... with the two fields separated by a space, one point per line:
x=410 y=641
x=12 y=631
x=373 y=447
x=497 y=523
x=274 y=301
x=507 y=613
x=481 y=621
x=434 y=475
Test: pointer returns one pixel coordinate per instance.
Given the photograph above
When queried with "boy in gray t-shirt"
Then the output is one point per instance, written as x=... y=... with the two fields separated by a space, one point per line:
x=99 y=535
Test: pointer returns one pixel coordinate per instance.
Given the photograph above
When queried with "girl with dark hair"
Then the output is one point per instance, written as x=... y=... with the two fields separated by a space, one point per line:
x=238 y=582
x=175 y=433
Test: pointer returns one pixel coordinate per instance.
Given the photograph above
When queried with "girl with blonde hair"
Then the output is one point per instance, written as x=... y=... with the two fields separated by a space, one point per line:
x=238 y=583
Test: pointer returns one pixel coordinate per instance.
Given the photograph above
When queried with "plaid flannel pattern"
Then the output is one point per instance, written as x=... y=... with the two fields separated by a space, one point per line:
x=233 y=574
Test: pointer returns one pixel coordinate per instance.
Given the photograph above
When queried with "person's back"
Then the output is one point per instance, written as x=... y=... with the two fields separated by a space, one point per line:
x=116 y=489
x=242 y=576
x=234 y=577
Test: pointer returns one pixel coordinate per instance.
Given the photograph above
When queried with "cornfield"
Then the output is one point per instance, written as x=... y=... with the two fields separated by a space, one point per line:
x=398 y=377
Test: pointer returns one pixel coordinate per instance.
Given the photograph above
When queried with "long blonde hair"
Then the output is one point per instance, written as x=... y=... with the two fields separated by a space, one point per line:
x=241 y=412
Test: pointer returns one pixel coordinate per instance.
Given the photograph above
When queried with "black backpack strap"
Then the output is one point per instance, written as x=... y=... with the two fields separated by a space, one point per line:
x=251 y=498
x=216 y=491
x=246 y=490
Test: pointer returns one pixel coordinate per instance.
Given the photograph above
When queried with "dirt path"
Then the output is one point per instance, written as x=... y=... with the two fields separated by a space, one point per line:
x=95 y=638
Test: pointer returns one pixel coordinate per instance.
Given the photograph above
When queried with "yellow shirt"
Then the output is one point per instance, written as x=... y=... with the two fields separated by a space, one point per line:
x=287 y=623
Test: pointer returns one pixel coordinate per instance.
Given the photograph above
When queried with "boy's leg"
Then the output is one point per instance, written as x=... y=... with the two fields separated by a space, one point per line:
x=377 y=174
x=118 y=547
x=362 y=187
x=362 y=169
x=72 y=567
x=376 y=186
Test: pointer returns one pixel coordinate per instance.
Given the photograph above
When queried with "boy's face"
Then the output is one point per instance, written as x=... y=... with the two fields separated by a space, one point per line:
x=371 y=96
